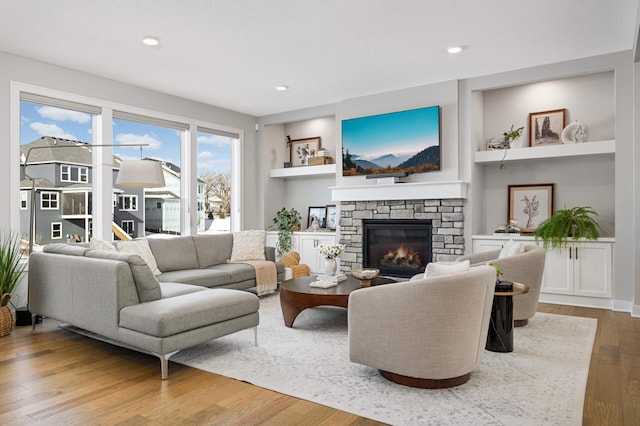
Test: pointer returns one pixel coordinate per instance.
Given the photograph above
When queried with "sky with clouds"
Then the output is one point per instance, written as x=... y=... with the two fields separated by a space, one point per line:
x=214 y=152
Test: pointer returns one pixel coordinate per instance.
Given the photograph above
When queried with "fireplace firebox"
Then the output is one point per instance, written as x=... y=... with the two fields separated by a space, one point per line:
x=398 y=247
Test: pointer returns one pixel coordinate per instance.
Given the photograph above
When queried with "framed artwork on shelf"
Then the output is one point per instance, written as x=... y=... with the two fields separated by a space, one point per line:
x=319 y=215
x=332 y=217
x=530 y=205
x=302 y=150
x=545 y=127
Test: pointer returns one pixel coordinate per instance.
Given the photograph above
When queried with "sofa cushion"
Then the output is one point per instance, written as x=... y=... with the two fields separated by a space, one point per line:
x=174 y=254
x=213 y=249
x=238 y=271
x=202 y=277
x=98 y=244
x=147 y=285
x=167 y=317
x=68 y=249
x=248 y=245
x=170 y=289
x=141 y=248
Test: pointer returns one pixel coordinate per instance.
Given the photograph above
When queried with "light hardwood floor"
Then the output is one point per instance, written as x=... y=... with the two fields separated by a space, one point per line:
x=56 y=377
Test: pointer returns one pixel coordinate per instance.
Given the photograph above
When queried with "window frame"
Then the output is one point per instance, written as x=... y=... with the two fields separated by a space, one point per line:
x=133 y=201
x=24 y=198
x=50 y=200
x=53 y=225
x=102 y=111
x=133 y=226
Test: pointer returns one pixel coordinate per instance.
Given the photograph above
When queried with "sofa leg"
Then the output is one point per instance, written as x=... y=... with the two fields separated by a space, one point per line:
x=255 y=336
x=164 y=363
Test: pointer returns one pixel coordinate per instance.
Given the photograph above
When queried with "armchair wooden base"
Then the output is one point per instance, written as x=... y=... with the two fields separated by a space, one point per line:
x=520 y=323
x=415 y=382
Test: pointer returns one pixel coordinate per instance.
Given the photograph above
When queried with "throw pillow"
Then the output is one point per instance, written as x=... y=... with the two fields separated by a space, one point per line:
x=248 y=245
x=141 y=248
x=435 y=269
x=98 y=244
x=510 y=248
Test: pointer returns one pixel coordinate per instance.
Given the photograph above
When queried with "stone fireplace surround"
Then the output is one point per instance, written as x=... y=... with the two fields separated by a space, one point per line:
x=446 y=215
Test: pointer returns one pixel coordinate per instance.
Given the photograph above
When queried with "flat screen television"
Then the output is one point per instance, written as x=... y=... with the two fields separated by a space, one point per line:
x=392 y=144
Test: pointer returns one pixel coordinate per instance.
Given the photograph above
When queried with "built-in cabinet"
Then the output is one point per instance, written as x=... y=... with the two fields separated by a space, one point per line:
x=307 y=244
x=583 y=269
x=580 y=269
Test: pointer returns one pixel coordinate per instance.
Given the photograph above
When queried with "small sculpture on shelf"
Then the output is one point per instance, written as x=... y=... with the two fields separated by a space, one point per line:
x=510 y=228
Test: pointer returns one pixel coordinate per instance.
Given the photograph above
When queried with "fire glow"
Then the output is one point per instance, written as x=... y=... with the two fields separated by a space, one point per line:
x=402 y=257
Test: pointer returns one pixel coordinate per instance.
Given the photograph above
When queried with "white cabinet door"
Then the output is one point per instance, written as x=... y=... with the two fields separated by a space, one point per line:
x=592 y=269
x=309 y=250
x=558 y=272
x=580 y=269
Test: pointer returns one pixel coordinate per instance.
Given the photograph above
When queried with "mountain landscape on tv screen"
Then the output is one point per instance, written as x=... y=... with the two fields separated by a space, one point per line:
x=426 y=160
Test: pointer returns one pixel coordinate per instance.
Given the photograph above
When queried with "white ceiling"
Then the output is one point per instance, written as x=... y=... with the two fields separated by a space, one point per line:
x=232 y=53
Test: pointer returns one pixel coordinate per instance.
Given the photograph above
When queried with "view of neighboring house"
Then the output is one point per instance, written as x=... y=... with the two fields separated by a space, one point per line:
x=59 y=172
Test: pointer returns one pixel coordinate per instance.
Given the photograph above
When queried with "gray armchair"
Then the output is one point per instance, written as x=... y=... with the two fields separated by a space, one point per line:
x=428 y=333
x=527 y=268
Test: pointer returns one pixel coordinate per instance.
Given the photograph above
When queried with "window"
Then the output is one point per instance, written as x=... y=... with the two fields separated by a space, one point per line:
x=127 y=226
x=128 y=203
x=24 y=196
x=74 y=173
x=214 y=180
x=56 y=230
x=51 y=118
x=74 y=203
x=49 y=200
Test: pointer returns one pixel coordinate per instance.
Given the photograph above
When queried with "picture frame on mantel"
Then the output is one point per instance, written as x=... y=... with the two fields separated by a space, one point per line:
x=332 y=217
x=319 y=213
x=302 y=150
x=545 y=127
x=530 y=205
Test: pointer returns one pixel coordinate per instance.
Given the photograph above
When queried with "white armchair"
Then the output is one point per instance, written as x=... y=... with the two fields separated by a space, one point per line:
x=428 y=332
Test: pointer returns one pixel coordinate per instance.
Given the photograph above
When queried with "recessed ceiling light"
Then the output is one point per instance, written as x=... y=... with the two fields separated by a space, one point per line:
x=150 y=41
x=282 y=88
x=454 y=49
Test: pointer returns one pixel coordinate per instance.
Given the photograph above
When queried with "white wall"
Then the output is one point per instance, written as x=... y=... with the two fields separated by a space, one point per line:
x=18 y=69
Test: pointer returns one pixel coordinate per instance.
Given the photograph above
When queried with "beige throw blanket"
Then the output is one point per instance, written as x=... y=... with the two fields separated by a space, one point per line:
x=266 y=275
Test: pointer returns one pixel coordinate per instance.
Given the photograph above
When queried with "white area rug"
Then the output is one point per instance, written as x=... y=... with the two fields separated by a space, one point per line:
x=541 y=383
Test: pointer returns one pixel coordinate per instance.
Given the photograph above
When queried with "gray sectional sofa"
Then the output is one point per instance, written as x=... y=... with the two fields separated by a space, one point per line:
x=115 y=295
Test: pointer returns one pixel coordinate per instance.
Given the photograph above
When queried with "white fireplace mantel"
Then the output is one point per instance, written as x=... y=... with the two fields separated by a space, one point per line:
x=400 y=191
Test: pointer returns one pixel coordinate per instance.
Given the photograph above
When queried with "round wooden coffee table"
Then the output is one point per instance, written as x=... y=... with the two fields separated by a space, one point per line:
x=296 y=295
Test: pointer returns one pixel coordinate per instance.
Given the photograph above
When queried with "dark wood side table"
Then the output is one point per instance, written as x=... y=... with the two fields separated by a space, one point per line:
x=296 y=295
x=500 y=336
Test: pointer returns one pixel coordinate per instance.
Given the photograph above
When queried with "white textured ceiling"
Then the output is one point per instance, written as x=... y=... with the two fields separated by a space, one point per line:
x=231 y=53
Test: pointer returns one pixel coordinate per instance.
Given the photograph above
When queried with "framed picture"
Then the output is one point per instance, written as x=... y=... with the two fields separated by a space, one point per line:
x=332 y=217
x=545 y=127
x=319 y=214
x=302 y=149
x=530 y=205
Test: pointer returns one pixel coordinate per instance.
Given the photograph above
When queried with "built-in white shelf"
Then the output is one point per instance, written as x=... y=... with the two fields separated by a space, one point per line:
x=324 y=169
x=550 y=151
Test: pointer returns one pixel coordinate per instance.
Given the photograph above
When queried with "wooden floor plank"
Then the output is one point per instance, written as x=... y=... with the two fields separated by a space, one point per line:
x=56 y=377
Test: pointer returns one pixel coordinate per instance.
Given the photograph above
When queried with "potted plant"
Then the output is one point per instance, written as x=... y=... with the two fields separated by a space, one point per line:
x=575 y=222
x=286 y=221
x=11 y=269
x=508 y=137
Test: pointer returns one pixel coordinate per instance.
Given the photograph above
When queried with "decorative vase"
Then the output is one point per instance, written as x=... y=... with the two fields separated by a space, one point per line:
x=330 y=266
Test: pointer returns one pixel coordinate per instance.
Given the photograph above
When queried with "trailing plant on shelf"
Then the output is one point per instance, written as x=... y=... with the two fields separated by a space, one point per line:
x=507 y=137
x=286 y=221
x=575 y=223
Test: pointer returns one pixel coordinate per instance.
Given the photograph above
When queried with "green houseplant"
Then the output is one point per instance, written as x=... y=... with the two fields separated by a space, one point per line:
x=575 y=222
x=286 y=221
x=11 y=269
